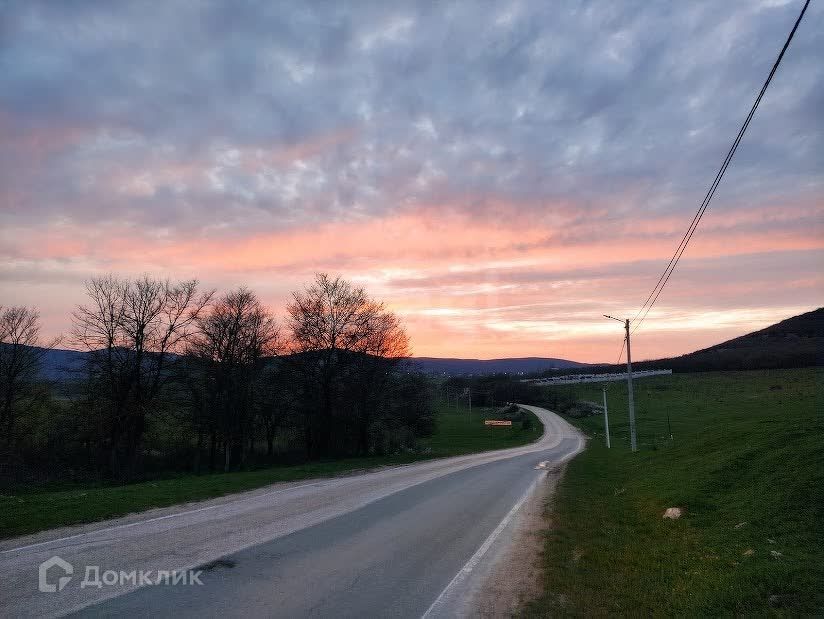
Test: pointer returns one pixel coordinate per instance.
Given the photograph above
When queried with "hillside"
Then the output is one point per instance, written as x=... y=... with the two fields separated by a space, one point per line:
x=791 y=343
x=61 y=364
x=796 y=342
x=741 y=453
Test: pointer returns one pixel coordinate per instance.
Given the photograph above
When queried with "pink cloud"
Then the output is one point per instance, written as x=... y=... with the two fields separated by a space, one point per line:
x=482 y=287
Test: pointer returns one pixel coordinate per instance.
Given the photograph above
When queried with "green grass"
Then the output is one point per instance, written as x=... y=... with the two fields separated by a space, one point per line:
x=747 y=463
x=461 y=433
x=36 y=510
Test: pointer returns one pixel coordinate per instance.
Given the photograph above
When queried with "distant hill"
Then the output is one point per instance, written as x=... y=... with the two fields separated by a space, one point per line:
x=521 y=365
x=794 y=342
x=63 y=364
x=60 y=364
x=791 y=343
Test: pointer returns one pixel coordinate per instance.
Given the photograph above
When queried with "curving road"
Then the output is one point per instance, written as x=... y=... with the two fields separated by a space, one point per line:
x=404 y=541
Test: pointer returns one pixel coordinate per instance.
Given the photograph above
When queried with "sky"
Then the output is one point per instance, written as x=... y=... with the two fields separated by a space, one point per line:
x=501 y=174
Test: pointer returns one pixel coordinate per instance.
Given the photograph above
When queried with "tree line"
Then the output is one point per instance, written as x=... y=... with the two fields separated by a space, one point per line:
x=177 y=377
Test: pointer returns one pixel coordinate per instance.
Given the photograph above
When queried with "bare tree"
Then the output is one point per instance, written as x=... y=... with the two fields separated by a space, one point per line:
x=344 y=344
x=232 y=343
x=21 y=354
x=133 y=330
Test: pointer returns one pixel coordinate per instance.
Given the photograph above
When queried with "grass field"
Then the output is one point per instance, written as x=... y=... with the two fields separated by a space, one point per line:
x=463 y=432
x=456 y=433
x=746 y=461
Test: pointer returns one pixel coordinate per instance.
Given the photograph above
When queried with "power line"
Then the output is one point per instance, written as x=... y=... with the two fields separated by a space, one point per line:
x=682 y=246
x=621 y=353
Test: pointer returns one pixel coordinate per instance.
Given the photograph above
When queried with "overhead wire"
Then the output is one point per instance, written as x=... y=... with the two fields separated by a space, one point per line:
x=621 y=353
x=682 y=246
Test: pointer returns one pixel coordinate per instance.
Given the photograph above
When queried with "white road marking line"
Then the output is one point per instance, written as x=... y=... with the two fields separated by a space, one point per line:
x=470 y=565
x=466 y=570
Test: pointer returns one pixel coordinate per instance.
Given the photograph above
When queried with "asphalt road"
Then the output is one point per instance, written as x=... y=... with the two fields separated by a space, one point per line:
x=401 y=542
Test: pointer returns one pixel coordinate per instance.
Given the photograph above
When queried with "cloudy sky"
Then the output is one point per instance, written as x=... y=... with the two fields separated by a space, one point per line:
x=501 y=173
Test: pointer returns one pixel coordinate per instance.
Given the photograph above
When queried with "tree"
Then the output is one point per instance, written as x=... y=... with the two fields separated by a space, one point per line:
x=133 y=331
x=277 y=404
x=344 y=345
x=20 y=359
x=232 y=342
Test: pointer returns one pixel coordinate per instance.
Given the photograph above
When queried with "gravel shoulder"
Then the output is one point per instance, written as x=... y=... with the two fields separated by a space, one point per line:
x=514 y=575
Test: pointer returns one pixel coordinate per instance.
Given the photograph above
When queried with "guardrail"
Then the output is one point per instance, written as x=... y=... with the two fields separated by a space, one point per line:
x=572 y=379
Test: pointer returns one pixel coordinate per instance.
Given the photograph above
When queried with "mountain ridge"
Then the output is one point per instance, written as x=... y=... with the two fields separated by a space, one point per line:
x=505 y=365
x=797 y=341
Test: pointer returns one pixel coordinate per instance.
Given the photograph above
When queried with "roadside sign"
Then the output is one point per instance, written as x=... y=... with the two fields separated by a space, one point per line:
x=497 y=422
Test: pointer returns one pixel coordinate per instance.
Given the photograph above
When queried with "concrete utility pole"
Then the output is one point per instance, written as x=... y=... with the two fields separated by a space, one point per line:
x=470 y=403
x=632 y=442
x=606 y=416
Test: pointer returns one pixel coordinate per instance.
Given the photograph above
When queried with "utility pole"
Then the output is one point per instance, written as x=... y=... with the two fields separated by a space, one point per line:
x=606 y=416
x=470 y=403
x=632 y=442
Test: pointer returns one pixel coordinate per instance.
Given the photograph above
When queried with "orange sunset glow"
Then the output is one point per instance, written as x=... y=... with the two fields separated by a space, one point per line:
x=496 y=200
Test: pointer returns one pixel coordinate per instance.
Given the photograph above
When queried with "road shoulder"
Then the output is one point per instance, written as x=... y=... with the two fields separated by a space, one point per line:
x=513 y=576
